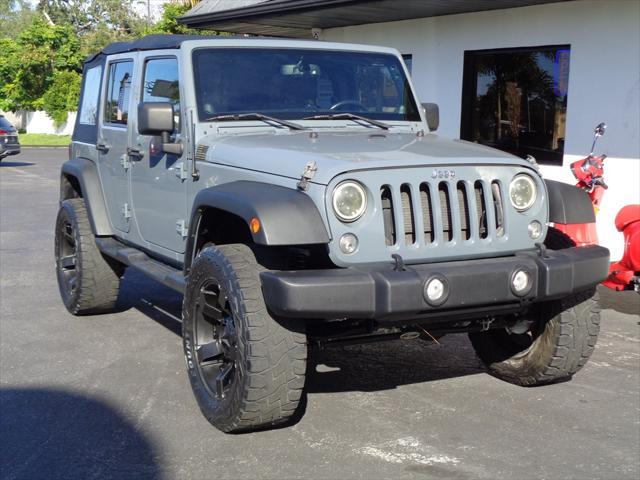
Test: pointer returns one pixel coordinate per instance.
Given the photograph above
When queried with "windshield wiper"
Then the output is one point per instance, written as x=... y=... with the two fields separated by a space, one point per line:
x=254 y=116
x=349 y=116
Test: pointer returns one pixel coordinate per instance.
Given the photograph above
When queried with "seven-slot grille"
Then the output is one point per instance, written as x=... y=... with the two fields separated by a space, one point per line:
x=441 y=211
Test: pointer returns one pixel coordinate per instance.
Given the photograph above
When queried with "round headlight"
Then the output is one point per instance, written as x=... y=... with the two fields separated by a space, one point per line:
x=349 y=201
x=522 y=192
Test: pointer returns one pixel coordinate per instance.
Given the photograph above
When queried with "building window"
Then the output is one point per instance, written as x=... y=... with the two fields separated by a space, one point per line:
x=516 y=100
x=408 y=61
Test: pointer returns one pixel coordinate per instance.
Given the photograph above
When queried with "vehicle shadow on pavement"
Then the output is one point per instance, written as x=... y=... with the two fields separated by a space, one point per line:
x=387 y=365
x=623 y=302
x=50 y=433
x=365 y=367
x=16 y=164
x=161 y=304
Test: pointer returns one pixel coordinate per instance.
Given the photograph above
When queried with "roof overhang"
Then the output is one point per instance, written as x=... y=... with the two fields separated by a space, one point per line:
x=296 y=18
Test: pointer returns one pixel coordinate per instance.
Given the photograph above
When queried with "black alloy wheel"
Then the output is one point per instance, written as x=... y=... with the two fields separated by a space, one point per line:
x=216 y=340
x=67 y=258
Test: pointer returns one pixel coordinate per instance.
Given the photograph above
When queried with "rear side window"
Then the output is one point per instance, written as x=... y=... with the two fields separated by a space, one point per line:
x=160 y=84
x=118 y=92
x=90 y=95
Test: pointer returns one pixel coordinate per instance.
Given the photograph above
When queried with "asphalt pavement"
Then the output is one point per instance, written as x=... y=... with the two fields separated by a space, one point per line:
x=108 y=396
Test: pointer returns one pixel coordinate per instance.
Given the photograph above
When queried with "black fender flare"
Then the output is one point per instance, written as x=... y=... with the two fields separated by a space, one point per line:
x=569 y=204
x=86 y=173
x=287 y=216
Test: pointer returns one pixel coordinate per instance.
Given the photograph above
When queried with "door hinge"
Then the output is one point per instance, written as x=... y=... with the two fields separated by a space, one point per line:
x=181 y=228
x=124 y=161
x=126 y=211
x=181 y=171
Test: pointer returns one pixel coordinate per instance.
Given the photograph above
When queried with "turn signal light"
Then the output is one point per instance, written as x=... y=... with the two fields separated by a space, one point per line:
x=254 y=225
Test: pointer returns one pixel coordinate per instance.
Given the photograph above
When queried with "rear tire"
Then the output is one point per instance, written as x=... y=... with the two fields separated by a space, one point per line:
x=89 y=282
x=246 y=369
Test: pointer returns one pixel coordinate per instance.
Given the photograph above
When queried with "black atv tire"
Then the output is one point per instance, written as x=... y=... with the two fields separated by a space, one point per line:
x=89 y=282
x=247 y=370
x=561 y=340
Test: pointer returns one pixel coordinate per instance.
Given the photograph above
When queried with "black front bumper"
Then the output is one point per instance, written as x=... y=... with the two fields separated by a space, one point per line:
x=386 y=293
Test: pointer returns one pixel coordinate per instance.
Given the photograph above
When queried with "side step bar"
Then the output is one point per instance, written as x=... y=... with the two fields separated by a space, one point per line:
x=165 y=274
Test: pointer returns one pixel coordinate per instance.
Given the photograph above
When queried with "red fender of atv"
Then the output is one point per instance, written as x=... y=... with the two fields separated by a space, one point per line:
x=624 y=274
x=582 y=234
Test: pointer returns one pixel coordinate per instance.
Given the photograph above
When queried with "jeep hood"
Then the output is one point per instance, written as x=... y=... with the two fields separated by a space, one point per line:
x=286 y=154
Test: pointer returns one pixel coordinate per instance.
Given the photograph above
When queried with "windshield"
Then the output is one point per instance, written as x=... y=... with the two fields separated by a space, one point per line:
x=298 y=83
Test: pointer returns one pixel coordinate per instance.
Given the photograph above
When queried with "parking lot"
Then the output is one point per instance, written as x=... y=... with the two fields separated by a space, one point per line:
x=108 y=396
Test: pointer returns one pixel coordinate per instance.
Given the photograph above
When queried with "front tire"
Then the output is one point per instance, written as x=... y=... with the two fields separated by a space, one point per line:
x=559 y=344
x=88 y=281
x=246 y=369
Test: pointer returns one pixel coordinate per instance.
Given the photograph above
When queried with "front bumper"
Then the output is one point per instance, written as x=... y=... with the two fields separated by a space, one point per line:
x=386 y=293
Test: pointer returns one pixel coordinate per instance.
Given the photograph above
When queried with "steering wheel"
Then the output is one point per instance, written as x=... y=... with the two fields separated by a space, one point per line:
x=346 y=103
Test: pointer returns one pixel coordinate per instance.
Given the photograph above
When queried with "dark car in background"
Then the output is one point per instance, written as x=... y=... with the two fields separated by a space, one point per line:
x=9 y=144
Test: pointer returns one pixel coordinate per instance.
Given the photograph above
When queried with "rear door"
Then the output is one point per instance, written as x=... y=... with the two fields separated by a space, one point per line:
x=114 y=137
x=158 y=179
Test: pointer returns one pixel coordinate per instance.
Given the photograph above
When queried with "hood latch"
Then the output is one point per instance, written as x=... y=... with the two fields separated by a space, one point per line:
x=309 y=172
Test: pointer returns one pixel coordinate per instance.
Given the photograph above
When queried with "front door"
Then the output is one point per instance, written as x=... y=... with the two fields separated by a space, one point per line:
x=113 y=139
x=158 y=179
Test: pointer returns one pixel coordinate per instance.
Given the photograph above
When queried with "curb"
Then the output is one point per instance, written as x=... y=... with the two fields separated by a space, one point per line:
x=44 y=146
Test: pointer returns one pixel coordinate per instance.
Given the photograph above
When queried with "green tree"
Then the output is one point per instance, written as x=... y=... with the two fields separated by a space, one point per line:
x=86 y=16
x=98 y=22
x=15 y=16
x=168 y=22
x=62 y=95
x=28 y=63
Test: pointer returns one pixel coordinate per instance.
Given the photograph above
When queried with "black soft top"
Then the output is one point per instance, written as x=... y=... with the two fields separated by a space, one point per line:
x=150 y=42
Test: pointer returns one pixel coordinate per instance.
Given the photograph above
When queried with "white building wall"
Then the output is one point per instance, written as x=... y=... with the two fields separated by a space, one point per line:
x=604 y=78
x=40 y=122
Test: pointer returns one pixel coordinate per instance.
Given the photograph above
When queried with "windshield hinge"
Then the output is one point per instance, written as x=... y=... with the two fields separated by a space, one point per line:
x=309 y=172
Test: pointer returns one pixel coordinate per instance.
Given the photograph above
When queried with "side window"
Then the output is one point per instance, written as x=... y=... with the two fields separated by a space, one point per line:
x=90 y=95
x=160 y=84
x=118 y=93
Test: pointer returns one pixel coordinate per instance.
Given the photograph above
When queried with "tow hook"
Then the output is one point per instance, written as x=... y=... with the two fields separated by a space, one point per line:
x=486 y=324
x=399 y=266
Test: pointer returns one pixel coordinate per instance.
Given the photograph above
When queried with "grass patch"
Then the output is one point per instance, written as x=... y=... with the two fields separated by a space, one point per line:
x=44 y=139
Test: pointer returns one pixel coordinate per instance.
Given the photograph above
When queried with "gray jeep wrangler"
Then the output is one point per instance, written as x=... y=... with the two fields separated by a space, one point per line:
x=295 y=193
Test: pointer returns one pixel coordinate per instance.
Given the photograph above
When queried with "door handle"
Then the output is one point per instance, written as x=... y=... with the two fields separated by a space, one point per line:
x=135 y=152
x=102 y=147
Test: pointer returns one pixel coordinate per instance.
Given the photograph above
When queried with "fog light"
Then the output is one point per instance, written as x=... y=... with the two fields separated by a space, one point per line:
x=535 y=229
x=436 y=290
x=520 y=282
x=348 y=243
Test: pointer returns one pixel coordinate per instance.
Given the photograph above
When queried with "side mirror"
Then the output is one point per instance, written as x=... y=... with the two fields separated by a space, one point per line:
x=600 y=129
x=156 y=118
x=432 y=112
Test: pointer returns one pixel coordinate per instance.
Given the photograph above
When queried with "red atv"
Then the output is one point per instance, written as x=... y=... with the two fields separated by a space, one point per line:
x=624 y=274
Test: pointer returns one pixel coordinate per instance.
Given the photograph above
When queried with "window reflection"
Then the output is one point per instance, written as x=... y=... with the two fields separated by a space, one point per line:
x=516 y=100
